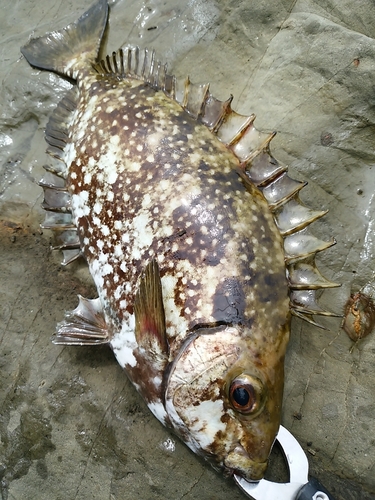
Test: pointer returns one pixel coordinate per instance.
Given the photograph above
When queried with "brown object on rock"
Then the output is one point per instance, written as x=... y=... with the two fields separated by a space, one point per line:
x=359 y=316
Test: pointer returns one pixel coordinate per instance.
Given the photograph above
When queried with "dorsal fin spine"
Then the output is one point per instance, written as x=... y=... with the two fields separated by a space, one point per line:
x=114 y=59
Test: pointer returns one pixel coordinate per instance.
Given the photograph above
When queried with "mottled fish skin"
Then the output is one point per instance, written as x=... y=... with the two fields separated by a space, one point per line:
x=172 y=192
x=156 y=197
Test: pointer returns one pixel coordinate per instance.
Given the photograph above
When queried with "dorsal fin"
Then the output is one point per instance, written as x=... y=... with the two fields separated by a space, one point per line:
x=150 y=330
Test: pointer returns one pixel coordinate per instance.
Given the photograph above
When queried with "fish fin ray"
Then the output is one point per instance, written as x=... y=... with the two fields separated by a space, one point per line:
x=57 y=129
x=67 y=50
x=70 y=255
x=67 y=240
x=304 y=275
x=304 y=304
x=59 y=219
x=56 y=199
x=307 y=317
x=52 y=180
x=303 y=244
x=149 y=311
x=85 y=325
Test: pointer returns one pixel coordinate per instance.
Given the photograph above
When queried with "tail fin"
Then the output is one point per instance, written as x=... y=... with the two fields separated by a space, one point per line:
x=67 y=50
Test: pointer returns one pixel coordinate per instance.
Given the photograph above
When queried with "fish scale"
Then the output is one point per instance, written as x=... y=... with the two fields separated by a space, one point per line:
x=195 y=237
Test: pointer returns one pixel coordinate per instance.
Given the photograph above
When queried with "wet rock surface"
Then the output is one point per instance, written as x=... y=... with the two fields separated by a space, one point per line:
x=71 y=425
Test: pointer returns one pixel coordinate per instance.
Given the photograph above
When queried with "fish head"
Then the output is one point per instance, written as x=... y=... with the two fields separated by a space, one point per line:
x=224 y=394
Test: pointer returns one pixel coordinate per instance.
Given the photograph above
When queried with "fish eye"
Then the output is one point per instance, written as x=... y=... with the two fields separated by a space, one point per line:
x=246 y=394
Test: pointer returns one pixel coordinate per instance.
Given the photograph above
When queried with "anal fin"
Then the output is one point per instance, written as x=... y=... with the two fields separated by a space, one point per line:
x=57 y=130
x=58 y=218
x=85 y=325
x=70 y=255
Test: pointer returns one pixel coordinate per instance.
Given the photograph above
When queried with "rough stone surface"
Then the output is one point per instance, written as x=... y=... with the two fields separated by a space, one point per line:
x=71 y=425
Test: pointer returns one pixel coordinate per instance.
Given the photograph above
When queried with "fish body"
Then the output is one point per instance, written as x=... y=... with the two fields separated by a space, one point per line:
x=185 y=243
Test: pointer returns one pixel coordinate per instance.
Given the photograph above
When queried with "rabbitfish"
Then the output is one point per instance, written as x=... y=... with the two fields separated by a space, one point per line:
x=194 y=236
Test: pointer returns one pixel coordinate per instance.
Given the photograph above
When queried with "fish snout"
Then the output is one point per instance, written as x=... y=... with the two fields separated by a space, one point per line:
x=239 y=462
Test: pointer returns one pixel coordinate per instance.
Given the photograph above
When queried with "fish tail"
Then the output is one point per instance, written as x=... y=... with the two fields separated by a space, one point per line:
x=72 y=48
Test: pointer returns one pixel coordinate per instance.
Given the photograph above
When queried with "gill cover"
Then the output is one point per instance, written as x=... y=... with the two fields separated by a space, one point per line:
x=224 y=406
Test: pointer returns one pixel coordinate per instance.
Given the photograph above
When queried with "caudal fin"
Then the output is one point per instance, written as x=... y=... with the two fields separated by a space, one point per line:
x=68 y=50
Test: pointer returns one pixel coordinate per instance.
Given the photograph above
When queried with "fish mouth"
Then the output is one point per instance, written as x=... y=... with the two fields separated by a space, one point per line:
x=238 y=462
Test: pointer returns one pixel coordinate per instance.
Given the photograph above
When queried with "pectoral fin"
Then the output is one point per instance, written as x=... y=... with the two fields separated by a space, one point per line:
x=150 y=330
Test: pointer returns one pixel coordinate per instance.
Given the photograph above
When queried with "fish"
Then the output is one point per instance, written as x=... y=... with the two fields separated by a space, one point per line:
x=193 y=233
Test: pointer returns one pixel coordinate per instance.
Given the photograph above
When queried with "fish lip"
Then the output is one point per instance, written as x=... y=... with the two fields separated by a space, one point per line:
x=252 y=475
x=239 y=463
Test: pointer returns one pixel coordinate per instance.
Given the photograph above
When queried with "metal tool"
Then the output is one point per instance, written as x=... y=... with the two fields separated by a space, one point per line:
x=299 y=486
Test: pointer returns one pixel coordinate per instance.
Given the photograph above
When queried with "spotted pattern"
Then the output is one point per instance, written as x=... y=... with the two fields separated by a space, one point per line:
x=184 y=251
x=147 y=181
